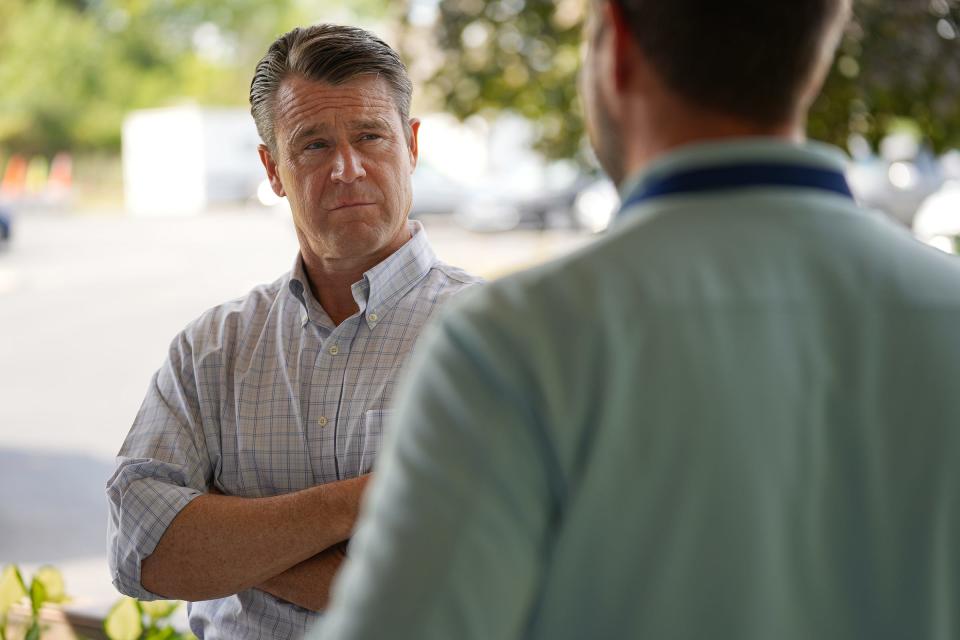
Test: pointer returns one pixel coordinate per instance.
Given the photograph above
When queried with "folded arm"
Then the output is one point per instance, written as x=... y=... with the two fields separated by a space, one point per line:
x=220 y=545
x=170 y=537
x=308 y=583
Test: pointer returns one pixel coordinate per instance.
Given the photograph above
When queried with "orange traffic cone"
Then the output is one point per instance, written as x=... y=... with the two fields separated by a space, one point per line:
x=15 y=177
x=61 y=176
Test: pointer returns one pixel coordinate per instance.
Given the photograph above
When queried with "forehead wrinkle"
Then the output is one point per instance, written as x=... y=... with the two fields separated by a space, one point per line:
x=307 y=129
x=303 y=104
x=310 y=126
x=297 y=95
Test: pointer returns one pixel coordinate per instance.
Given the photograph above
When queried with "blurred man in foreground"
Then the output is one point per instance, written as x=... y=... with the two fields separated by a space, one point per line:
x=735 y=416
x=239 y=482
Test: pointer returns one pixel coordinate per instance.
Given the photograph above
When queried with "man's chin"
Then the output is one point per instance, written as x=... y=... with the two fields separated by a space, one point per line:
x=359 y=237
x=362 y=241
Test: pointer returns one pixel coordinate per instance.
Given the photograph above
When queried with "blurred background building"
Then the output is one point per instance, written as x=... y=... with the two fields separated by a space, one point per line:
x=131 y=195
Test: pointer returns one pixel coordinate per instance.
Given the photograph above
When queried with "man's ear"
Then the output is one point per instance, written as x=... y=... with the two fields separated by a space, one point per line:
x=271 y=166
x=414 y=143
x=624 y=47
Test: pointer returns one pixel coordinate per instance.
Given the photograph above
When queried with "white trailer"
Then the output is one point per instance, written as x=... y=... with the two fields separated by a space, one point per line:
x=180 y=161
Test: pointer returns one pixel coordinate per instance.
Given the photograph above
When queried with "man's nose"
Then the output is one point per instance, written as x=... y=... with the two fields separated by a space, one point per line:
x=347 y=165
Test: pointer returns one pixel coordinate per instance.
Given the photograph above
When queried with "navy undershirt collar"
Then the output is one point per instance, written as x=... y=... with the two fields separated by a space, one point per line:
x=740 y=176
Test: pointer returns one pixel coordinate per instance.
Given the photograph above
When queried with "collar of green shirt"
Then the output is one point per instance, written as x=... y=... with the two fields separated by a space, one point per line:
x=732 y=152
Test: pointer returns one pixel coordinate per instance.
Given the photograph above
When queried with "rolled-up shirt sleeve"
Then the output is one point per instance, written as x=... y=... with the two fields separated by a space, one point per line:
x=162 y=465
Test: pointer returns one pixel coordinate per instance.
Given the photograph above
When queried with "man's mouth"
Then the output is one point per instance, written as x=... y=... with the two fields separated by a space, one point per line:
x=348 y=205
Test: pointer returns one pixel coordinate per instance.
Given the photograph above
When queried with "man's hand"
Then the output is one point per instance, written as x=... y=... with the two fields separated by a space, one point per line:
x=308 y=584
x=220 y=545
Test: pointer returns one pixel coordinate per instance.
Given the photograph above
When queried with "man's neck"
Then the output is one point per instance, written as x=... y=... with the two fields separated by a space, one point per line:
x=671 y=126
x=332 y=279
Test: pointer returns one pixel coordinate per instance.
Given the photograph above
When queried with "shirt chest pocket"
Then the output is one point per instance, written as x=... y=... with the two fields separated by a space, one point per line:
x=372 y=437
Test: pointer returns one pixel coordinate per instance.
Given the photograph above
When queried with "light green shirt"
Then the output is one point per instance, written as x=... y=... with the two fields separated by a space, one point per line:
x=737 y=415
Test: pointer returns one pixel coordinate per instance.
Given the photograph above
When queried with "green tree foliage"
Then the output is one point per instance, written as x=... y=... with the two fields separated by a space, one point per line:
x=899 y=59
x=518 y=55
x=71 y=69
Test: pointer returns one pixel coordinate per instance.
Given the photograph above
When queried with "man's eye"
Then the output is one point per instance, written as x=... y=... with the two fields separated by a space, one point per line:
x=370 y=136
x=316 y=145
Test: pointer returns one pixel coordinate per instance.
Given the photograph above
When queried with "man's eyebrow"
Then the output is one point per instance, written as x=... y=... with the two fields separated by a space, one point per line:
x=307 y=131
x=375 y=123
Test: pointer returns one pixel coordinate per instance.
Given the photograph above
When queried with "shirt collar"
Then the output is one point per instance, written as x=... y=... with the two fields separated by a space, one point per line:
x=310 y=308
x=381 y=286
x=735 y=151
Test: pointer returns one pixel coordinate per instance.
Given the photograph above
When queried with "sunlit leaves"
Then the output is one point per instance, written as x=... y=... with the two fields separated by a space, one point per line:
x=12 y=589
x=123 y=621
x=72 y=70
x=897 y=60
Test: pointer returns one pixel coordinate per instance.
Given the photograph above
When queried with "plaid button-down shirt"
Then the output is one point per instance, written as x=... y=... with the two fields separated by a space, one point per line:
x=263 y=396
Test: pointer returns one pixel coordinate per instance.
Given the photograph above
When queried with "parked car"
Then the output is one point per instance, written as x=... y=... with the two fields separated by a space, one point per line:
x=938 y=219
x=6 y=228
x=898 y=180
x=596 y=205
x=586 y=202
x=435 y=193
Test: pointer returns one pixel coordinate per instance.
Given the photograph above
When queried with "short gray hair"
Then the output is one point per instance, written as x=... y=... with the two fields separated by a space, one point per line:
x=325 y=53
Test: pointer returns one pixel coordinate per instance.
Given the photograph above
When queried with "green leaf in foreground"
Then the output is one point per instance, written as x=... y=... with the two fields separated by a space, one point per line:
x=52 y=581
x=38 y=595
x=123 y=622
x=159 y=609
x=167 y=633
x=12 y=589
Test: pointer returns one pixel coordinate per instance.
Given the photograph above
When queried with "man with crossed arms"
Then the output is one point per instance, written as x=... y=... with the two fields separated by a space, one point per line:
x=240 y=480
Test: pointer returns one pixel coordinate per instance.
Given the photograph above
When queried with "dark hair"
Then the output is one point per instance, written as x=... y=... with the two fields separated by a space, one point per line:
x=751 y=59
x=325 y=53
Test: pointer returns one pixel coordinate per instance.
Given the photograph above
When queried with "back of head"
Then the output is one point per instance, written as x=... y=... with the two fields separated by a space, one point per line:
x=757 y=60
x=325 y=53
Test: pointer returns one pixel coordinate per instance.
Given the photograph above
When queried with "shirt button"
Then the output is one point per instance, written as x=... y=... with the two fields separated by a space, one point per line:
x=322 y=421
x=373 y=317
x=334 y=350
